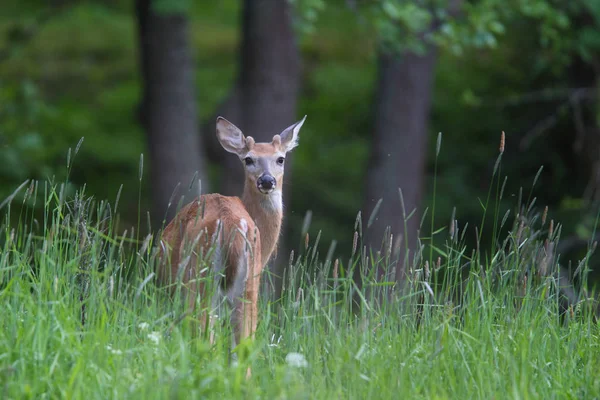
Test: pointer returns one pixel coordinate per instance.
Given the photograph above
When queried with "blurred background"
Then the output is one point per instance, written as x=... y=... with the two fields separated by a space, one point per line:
x=379 y=80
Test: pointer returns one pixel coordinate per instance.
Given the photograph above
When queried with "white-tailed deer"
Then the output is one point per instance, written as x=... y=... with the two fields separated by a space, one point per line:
x=243 y=232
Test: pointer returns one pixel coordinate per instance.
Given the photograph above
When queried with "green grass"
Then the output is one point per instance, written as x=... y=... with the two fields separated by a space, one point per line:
x=81 y=317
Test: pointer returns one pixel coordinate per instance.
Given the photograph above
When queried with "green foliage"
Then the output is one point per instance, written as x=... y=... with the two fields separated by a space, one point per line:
x=306 y=14
x=587 y=37
x=70 y=92
x=171 y=7
x=22 y=148
x=336 y=88
x=77 y=76
x=82 y=317
x=455 y=25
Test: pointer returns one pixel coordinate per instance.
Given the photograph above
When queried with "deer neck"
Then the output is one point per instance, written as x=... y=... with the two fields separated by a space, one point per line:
x=267 y=213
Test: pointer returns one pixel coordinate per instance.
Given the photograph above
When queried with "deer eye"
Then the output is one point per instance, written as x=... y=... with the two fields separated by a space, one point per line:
x=248 y=161
x=280 y=160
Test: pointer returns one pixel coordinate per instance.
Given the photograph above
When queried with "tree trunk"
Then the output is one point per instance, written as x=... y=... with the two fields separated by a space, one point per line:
x=398 y=155
x=399 y=149
x=168 y=110
x=263 y=101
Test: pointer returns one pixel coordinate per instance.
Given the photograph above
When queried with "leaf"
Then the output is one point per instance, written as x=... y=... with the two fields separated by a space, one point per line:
x=439 y=251
x=391 y=9
x=170 y=7
x=497 y=27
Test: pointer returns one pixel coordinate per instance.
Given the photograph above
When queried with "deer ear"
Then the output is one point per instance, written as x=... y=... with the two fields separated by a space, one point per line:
x=230 y=136
x=289 y=137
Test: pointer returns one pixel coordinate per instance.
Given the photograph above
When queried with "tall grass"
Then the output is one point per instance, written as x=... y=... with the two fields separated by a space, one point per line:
x=81 y=316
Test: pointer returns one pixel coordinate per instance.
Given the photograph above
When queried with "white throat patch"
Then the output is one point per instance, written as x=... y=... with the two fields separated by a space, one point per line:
x=272 y=201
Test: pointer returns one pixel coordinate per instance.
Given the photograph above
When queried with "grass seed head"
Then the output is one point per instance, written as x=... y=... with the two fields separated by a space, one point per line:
x=354 y=243
x=544 y=215
x=520 y=231
x=336 y=266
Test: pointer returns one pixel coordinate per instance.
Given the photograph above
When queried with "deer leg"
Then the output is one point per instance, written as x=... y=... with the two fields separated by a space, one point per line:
x=201 y=289
x=249 y=311
x=195 y=298
x=245 y=313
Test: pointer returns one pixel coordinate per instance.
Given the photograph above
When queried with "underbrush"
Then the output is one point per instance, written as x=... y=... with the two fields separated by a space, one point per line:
x=81 y=316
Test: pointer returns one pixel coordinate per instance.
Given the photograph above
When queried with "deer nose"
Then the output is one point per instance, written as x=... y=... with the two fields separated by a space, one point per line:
x=266 y=183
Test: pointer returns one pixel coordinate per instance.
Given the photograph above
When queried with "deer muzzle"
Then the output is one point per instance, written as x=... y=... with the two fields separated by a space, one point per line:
x=266 y=183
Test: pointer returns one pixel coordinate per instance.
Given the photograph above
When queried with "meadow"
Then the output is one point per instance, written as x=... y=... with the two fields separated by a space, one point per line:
x=81 y=315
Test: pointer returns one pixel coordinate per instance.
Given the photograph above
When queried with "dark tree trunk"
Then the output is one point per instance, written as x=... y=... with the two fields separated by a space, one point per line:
x=398 y=156
x=263 y=101
x=399 y=148
x=168 y=109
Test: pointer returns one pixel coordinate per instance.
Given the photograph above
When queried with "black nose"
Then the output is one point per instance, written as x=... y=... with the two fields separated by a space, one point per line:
x=266 y=182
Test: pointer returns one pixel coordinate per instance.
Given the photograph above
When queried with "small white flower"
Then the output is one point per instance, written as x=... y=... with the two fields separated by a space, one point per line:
x=114 y=351
x=296 y=360
x=143 y=325
x=154 y=337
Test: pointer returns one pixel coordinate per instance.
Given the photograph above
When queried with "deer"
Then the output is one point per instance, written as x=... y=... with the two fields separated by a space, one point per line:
x=233 y=237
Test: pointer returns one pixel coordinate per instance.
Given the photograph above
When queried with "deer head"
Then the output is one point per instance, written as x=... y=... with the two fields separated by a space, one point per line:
x=263 y=162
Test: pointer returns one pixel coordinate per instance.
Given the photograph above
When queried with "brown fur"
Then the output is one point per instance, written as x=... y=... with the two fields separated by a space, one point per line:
x=243 y=232
x=200 y=218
